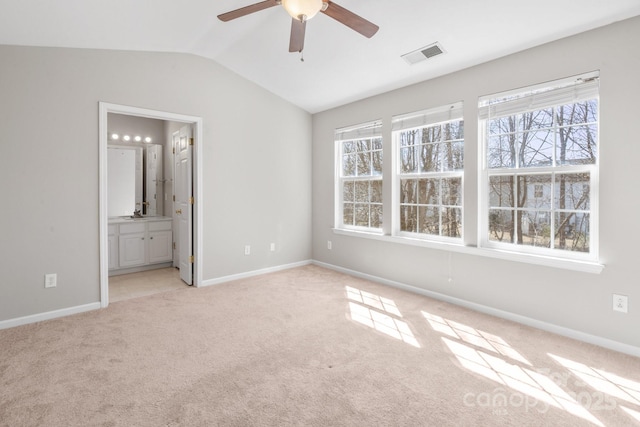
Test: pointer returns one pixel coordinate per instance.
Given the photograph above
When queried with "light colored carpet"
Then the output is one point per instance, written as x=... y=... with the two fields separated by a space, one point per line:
x=305 y=347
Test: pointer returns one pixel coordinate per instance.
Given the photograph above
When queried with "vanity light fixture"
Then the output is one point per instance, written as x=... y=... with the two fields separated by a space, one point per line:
x=126 y=137
x=137 y=138
x=115 y=136
x=147 y=139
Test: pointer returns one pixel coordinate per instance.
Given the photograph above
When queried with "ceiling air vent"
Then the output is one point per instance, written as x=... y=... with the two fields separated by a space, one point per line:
x=423 y=53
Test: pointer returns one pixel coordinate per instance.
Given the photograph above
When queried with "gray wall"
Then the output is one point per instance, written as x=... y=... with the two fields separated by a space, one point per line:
x=575 y=300
x=256 y=171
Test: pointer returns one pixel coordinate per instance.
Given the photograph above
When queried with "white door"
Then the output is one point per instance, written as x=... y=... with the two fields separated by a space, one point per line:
x=184 y=203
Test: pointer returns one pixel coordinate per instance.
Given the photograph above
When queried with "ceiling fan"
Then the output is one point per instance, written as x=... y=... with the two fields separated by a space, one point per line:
x=303 y=10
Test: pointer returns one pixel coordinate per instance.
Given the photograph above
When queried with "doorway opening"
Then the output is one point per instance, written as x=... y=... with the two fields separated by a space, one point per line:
x=194 y=218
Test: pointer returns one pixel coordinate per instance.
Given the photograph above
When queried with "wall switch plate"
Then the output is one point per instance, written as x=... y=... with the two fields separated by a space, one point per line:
x=620 y=303
x=247 y=250
x=329 y=244
x=50 y=280
x=272 y=247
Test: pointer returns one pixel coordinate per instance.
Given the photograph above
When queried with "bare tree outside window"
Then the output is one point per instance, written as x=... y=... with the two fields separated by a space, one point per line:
x=539 y=176
x=430 y=186
x=361 y=182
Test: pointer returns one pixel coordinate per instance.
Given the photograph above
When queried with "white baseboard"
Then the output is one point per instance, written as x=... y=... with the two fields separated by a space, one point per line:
x=231 y=277
x=528 y=321
x=25 y=320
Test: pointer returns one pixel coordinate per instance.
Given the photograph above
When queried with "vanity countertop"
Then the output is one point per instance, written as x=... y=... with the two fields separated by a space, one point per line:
x=125 y=219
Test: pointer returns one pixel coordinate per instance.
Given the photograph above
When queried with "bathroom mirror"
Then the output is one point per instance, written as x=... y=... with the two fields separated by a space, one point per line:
x=124 y=180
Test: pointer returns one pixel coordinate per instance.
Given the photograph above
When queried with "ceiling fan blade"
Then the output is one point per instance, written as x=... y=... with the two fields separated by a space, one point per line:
x=243 y=11
x=350 y=19
x=296 y=42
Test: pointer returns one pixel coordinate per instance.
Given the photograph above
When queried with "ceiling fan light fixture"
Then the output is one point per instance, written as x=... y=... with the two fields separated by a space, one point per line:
x=302 y=10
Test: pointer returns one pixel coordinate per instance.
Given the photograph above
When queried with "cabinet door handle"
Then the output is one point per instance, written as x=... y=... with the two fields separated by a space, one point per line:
x=150 y=238
x=179 y=211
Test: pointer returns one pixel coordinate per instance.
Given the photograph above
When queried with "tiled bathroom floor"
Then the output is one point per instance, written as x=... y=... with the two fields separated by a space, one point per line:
x=144 y=283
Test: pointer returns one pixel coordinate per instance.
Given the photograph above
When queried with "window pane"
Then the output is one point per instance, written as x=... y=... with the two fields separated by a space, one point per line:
x=408 y=191
x=537 y=148
x=534 y=191
x=572 y=191
x=377 y=163
x=505 y=125
x=501 y=151
x=408 y=162
x=429 y=220
x=348 y=193
x=452 y=156
x=577 y=145
x=540 y=119
x=376 y=191
x=429 y=191
x=361 y=215
x=349 y=165
x=452 y=222
x=348 y=147
x=572 y=231
x=581 y=112
x=364 y=163
x=347 y=213
x=362 y=191
x=453 y=130
x=429 y=157
x=501 y=191
x=408 y=218
x=363 y=145
x=452 y=191
x=535 y=227
x=501 y=225
x=376 y=216
x=376 y=144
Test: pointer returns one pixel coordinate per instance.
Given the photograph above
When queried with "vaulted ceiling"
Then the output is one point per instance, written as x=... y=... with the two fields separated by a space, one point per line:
x=339 y=65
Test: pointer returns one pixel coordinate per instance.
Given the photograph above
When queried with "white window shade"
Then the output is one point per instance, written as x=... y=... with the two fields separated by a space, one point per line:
x=427 y=117
x=362 y=131
x=580 y=89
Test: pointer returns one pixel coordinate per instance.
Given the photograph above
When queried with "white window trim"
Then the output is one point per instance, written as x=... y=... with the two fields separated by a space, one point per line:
x=419 y=120
x=545 y=99
x=544 y=260
x=365 y=130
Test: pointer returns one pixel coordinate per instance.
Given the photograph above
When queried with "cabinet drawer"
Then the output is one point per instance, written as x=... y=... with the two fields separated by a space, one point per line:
x=159 y=225
x=136 y=227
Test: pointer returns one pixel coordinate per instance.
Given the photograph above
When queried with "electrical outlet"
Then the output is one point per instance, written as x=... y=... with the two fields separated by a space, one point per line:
x=620 y=303
x=329 y=244
x=247 y=250
x=272 y=248
x=50 y=280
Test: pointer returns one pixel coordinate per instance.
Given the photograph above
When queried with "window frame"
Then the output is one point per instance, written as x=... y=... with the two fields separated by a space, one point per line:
x=584 y=88
x=366 y=131
x=422 y=120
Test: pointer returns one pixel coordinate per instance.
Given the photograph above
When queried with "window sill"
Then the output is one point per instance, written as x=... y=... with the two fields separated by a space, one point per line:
x=547 y=261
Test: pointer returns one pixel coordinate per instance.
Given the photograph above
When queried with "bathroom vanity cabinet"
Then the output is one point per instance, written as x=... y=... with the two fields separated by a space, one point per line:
x=139 y=244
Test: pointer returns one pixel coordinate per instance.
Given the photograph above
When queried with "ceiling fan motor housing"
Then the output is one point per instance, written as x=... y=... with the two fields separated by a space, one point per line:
x=302 y=9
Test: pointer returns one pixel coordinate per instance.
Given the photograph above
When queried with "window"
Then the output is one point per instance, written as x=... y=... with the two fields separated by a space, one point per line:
x=429 y=148
x=540 y=169
x=359 y=152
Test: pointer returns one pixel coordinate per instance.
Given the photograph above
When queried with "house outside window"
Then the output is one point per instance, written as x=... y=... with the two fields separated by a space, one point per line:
x=540 y=169
x=429 y=156
x=359 y=177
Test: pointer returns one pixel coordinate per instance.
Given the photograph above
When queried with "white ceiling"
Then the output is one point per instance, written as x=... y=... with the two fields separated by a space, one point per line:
x=340 y=65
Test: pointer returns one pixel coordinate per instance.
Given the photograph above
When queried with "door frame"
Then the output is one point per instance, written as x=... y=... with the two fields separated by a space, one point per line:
x=104 y=109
